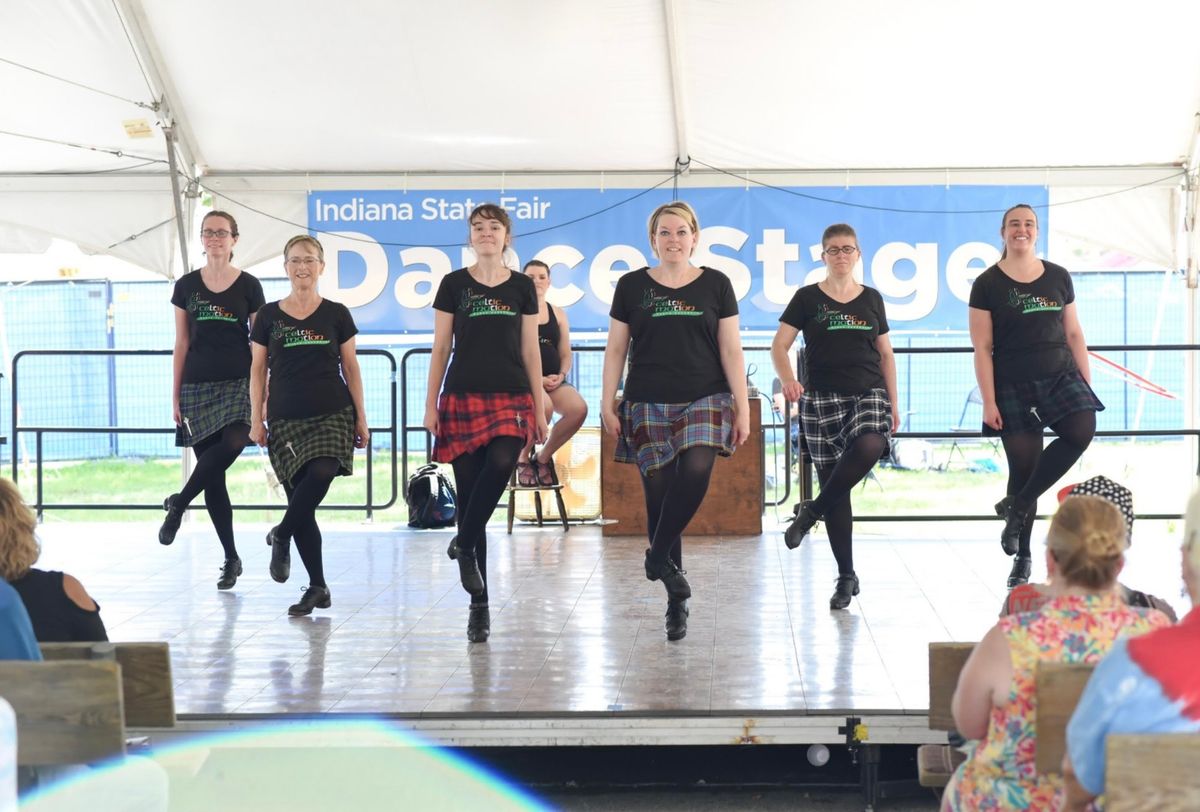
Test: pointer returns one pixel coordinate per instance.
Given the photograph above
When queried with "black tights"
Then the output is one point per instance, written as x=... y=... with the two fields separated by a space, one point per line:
x=1032 y=469
x=673 y=495
x=305 y=492
x=480 y=476
x=214 y=454
x=837 y=481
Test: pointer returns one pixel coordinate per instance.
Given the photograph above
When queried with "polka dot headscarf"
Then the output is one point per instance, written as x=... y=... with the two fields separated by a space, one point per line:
x=1109 y=491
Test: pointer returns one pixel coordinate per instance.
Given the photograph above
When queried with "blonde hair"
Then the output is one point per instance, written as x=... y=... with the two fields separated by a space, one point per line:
x=679 y=209
x=1087 y=539
x=1191 y=533
x=19 y=548
x=304 y=238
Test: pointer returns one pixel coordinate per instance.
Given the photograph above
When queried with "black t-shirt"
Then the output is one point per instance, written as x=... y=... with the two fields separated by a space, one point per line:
x=487 y=331
x=840 y=355
x=548 y=336
x=1028 y=339
x=673 y=356
x=304 y=357
x=218 y=326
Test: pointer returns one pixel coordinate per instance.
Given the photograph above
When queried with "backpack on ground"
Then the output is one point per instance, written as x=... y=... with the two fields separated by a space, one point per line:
x=431 y=499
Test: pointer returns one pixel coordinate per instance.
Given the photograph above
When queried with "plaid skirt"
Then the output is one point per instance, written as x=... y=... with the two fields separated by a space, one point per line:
x=1031 y=405
x=830 y=422
x=653 y=434
x=293 y=441
x=206 y=408
x=471 y=420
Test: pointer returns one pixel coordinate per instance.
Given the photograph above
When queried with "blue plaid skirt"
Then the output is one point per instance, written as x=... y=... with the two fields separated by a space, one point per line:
x=653 y=434
x=830 y=422
x=1032 y=405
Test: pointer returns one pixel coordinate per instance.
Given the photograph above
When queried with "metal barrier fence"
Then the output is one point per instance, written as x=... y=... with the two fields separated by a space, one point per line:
x=114 y=430
x=950 y=401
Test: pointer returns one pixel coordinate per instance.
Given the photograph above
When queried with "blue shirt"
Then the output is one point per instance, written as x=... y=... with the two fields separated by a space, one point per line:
x=16 y=632
x=1120 y=698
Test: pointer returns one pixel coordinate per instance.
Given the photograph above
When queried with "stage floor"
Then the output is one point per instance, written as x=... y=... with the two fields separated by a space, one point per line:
x=577 y=630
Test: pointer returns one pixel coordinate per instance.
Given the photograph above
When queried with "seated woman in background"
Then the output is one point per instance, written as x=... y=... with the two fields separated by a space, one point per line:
x=59 y=606
x=996 y=701
x=554 y=344
x=1031 y=597
x=1147 y=685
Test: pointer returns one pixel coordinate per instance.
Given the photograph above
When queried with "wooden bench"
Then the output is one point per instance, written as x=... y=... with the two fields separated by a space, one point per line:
x=1152 y=772
x=67 y=712
x=1059 y=686
x=937 y=762
x=147 y=687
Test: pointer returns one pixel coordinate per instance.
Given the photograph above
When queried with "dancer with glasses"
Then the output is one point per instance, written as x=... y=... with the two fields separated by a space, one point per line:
x=314 y=404
x=554 y=343
x=848 y=404
x=215 y=308
x=1031 y=364
x=491 y=401
x=685 y=396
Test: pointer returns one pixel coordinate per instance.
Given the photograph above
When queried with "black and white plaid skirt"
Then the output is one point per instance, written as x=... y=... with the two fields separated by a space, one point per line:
x=1032 y=405
x=206 y=408
x=830 y=422
x=293 y=441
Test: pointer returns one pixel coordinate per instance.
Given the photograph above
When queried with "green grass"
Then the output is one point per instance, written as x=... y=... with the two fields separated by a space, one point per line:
x=1160 y=474
x=149 y=481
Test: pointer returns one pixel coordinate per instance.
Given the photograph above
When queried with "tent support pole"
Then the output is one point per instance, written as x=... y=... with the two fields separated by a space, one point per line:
x=682 y=156
x=177 y=198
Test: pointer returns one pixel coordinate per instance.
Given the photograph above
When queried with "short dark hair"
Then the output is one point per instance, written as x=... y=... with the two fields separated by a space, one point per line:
x=838 y=230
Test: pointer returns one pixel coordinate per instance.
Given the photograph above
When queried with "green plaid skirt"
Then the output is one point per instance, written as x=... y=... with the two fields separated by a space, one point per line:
x=293 y=441
x=208 y=407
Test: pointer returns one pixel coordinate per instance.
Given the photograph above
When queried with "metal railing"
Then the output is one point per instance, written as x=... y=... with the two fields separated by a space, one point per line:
x=404 y=416
x=806 y=478
x=40 y=431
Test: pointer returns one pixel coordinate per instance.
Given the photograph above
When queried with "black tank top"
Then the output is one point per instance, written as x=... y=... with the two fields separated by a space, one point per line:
x=56 y=618
x=548 y=335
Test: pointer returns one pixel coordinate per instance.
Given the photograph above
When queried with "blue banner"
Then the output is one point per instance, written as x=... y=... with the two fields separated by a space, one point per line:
x=921 y=245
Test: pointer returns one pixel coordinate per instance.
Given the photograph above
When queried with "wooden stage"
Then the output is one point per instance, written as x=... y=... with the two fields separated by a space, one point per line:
x=577 y=653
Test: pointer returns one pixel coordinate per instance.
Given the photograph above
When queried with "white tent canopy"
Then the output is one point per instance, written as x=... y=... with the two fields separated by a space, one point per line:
x=271 y=98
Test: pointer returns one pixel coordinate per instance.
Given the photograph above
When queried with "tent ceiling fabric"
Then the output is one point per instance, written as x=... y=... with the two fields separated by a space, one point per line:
x=297 y=87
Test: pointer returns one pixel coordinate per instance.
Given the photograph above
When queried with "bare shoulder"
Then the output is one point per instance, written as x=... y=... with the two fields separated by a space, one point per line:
x=77 y=593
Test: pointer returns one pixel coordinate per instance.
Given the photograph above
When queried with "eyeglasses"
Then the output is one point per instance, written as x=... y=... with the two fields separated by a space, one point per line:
x=220 y=234
x=305 y=262
x=833 y=251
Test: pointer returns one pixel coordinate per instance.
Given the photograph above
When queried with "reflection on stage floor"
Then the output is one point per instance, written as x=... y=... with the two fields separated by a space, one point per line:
x=576 y=627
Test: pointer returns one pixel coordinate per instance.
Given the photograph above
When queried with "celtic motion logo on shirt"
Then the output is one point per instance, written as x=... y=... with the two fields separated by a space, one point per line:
x=660 y=306
x=479 y=304
x=837 y=320
x=292 y=336
x=1031 y=303
x=204 y=310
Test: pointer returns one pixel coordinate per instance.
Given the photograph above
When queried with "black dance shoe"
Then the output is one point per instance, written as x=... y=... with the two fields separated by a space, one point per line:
x=170 y=525
x=845 y=589
x=479 y=623
x=230 y=571
x=281 y=555
x=677 y=618
x=1020 y=571
x=314 y=597
x=678 y=588
x=468 y=568
x=1014 y=523
x=806 y=519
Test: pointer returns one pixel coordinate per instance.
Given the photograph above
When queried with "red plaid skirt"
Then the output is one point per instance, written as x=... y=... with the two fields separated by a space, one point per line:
x=470 y=420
